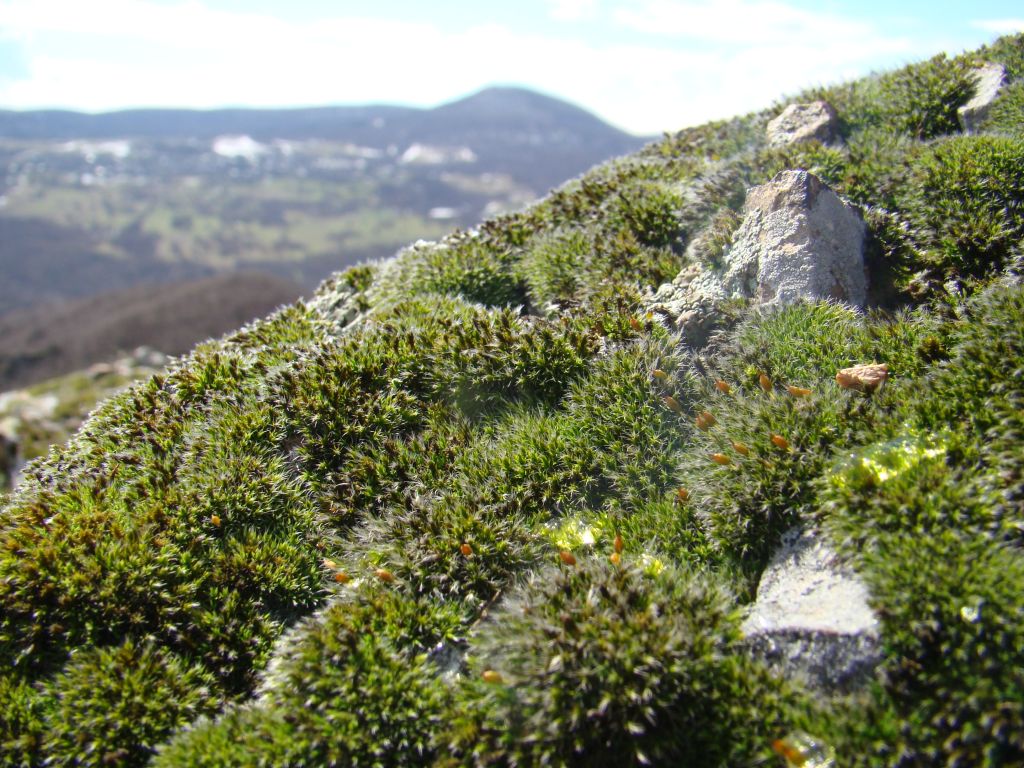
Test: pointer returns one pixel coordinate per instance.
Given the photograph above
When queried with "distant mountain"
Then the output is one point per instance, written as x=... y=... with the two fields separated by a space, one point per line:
x=54 y=339
x=538 y=139
x=94 y=203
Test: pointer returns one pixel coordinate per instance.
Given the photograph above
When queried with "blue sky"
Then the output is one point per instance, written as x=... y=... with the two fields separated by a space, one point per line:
x=645 y=65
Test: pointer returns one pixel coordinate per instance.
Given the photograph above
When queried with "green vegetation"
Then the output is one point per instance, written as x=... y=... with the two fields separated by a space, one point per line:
x=473 y=506
x=275 y=221
x=604 y=664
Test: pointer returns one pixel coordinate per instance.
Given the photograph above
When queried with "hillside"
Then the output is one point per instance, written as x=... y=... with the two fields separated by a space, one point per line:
x=95 y=203
x=533 y=494
x=55 y=339
x=535 y=138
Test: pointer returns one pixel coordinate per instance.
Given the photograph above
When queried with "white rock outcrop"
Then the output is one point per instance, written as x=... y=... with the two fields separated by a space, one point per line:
x=798 y=240
x=815 y=121
x=806 y=587
x=988 y=80
x=812 y=617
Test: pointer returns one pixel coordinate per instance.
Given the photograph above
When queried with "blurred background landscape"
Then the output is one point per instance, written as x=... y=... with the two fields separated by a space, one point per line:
x=166 y=173
x=119 y=230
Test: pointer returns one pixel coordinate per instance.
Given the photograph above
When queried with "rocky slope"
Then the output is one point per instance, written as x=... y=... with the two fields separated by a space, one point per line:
x=56 y=339
x=49 y=412
x=509 y=499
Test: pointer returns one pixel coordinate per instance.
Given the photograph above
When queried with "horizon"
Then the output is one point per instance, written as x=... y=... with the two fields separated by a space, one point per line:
x=644 y=67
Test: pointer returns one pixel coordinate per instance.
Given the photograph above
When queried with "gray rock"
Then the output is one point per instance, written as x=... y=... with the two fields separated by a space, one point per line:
x=9 y=464
x=988 y=80
x=832 y=664
x=798 y=240
x=449 y=658
x=816 y=121
x=689 y=304
x=811 y=618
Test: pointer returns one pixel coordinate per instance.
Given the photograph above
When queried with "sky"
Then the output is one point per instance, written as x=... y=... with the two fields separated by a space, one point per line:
x=646 y=66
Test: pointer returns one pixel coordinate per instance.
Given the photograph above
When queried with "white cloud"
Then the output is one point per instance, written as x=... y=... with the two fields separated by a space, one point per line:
x=691 y=61
x=738 y=21
x=571 y=10
x=999 y=26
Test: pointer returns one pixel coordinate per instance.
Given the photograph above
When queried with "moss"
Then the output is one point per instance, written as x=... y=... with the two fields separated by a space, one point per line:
x=451 y=549
x=963 y=199
x=553 y=267
x=467 y=268
x=1006 y=114
x=949 y=601
x=1008 y=51
x=22 y=727
x=826 y=162
x=922 y=99
x=349 y=691
x=113 y=705
x=769 y=418
x=876 y=157
x=598 y=664
x=978 y=393
x=710 y=245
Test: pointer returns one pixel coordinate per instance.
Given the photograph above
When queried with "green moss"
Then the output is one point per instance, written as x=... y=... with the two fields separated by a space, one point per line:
x=949 y=600
x=466 y=267
x=876 y=157
x=23 y=725
x=753 y=451
x=1006 y=114
x=349 y=691
x=963 y=199
x=600 y=664
x=922 y=99
x=710 y=245
x=452 y=549
x=114 y=705
x=553 y=267
x=978 y=392
x=1008 y=51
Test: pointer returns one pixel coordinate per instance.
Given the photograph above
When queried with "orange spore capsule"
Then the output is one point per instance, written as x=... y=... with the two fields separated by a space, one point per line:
x=723 y=387
x=741 y=448
x=798 y=391
x=635 y=324
x=784 y=750
x=616 y=558
x=705 y=420
x=765 y=382
x=384 y=575
x=492 y=676
x=659 y=374
x=618 y=543
x=215 y=520
x=721 y=458
x=780 y=442
x=466 y=550
x=330 y=564
x=567 y=557
x=341 y=577
x=673 y=404
x=682 y=494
